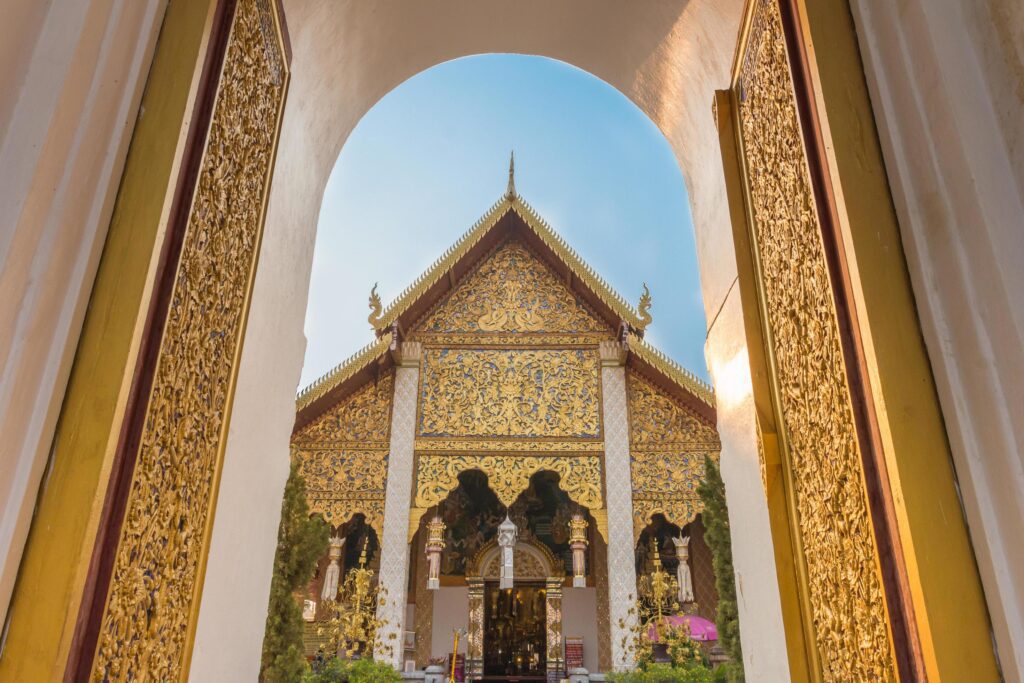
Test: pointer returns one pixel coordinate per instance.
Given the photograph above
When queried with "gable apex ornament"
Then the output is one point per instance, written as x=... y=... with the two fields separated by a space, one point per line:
x=644 y=309
x=375 y=308
x=510 y=191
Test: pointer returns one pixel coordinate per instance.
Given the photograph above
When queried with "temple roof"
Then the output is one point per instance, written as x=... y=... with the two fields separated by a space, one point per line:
x=509 y=218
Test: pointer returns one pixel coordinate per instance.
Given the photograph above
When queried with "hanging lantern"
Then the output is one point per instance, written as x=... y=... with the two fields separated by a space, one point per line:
x=683 y=577
x=333 y=574
x=507 y=533
x=434 y=546
x=578 y=544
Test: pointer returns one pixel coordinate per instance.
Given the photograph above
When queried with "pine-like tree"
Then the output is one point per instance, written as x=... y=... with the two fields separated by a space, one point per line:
x=301 y=540
x=716 y=523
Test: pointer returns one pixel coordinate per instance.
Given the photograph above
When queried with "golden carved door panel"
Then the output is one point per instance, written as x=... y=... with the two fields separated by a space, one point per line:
x=844 y=573
x=142 y=621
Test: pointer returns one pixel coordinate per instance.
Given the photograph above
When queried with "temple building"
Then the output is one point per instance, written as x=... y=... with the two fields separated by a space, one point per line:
x=509 y=452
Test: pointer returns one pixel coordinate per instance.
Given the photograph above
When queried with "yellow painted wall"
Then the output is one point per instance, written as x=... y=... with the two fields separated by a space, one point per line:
x=48 y=592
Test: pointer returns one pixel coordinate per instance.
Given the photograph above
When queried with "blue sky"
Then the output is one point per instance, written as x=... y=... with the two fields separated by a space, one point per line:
x=431 y=157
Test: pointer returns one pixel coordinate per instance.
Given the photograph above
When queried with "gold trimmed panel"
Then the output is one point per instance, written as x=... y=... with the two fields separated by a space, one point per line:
x=364 y=418
x=514 y=294
x=440 y=445
x=508 y=476
x=541 y=229
x=850 y=622
x=669 y=445
x=149 y=617
x=498 y=393
x=343 y=455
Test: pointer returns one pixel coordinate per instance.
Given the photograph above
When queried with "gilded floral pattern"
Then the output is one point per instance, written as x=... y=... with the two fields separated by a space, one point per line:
x=847 y=604
x=151 y=604
x=364 y=417
x=512 y=291
x=669 y=444
x=510 y=392
x=508 y=476
x=343 y=455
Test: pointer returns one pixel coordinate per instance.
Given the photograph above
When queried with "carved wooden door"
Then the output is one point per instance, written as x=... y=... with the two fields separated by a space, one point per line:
x=841 y=584
x=140 y=621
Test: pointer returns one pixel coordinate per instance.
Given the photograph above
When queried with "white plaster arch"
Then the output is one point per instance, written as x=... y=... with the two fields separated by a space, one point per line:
x=667 y=57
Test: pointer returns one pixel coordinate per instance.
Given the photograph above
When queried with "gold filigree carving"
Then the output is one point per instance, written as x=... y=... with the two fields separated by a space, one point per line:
x=658 y=422
x=507 y=446
x=364 y=418
x=846 y=600
x=553 y=628
x=147 y=623
x=508 y=476
x=677 y=510
x=343 y=455
x=502 y=393
x=527 y=566
x=512 y=291
x=669 y=444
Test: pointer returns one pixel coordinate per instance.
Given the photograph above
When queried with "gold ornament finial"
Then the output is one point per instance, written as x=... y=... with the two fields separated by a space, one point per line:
x=644 y=309
x=510 y=193
x=375 y=308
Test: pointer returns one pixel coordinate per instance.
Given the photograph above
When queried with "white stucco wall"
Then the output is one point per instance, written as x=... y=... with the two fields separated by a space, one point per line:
x=451 y=611
x=946 y=85
x=579 y=619
x=71 y=77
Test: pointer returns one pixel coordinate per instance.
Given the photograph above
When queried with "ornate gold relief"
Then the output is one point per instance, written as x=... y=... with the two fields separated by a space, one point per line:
x=343 y=455
x=508 y=476
x=669 y=445
x=146 y=628
x=364 y=418
x=510 y=393
x=846 y=601
x=512 y=292
x=342 y=483
x=507 y=446
x=658 y=422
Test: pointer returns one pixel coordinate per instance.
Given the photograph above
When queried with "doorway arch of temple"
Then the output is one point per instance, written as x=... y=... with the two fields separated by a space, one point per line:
x=667 y=58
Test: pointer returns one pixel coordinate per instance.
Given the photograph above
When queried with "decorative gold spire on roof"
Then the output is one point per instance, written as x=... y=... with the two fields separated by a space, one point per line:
x=375 y=308
x=644 y=309
x=510 y=193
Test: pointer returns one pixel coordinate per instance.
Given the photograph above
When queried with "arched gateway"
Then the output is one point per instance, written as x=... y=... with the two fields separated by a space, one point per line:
x=513 y=360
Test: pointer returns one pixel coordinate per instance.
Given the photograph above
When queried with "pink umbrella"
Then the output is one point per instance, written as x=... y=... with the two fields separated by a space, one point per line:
x=700 y=628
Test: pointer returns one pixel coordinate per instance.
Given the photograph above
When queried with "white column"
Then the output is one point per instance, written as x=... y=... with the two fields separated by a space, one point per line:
x=394 y=547
x=619 y=501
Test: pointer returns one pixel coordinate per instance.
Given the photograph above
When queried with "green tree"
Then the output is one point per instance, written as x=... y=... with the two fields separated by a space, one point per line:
x=716 y=523
x=301 y=540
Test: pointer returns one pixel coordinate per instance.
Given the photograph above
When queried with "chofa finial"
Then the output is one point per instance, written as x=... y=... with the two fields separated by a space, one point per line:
x=644 y=309
x=510 y=193
x=375 y=308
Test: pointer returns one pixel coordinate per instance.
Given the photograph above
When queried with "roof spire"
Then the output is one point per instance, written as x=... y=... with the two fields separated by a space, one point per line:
x=510 y=193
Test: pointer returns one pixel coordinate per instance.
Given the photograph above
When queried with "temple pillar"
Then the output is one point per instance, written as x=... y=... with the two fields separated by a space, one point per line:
x=619 y=502
x=394 y=545
x=475 y=630
x=553 y=627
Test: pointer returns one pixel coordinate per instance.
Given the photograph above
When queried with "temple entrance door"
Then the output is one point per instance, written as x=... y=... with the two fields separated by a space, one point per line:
x=515 y=633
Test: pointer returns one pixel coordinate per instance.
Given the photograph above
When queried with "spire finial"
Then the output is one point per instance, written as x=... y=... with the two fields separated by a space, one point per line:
x=510 y=193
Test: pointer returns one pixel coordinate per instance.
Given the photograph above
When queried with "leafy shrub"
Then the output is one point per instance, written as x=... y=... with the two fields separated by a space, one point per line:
x=353 y=671
x=663 y=673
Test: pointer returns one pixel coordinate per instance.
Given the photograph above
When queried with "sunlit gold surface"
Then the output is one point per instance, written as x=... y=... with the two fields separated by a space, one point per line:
x=850 y=620
x=510 y=393
x=508 y=476
x=151 y=606
x=343 y=455
x=512 y=292
x=668 y=446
